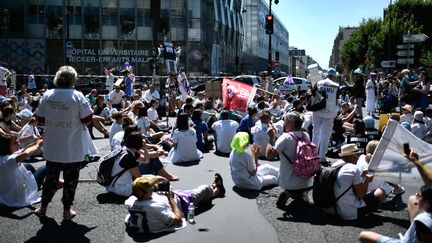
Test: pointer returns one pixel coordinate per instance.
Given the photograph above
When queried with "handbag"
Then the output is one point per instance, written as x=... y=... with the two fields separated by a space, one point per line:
x=316 y=102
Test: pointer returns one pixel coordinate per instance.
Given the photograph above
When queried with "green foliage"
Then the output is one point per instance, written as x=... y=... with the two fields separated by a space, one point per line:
x=375 y=40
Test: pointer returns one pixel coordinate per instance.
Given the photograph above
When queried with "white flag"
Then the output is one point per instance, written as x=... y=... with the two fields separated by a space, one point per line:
x=389 y=159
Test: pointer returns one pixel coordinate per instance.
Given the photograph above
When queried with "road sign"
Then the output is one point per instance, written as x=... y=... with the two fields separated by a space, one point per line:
x=405 y=46
x=405 y=53
x=405 y=61
x=415 y=38
x=388 y=63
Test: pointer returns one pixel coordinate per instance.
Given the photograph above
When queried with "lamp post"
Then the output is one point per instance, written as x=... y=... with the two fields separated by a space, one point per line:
x=269 y=57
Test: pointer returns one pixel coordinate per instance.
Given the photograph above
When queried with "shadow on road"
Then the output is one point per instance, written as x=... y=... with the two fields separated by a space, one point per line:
x=249 y=194
x=145 y=237
x=297 y=211
x=65 y=232
x=189 y=163
x=110 y=198
x=9 y=212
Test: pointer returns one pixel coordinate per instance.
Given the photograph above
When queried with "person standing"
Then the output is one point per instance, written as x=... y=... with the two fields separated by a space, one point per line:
x=109 y=83
x=64 y=113
x=358 y=91
x=31 y=83
x=371 y=94
x=323 y=119
x=4 y=75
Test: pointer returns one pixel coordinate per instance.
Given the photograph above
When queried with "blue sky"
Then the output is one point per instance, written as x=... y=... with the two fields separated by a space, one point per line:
x=313 y=24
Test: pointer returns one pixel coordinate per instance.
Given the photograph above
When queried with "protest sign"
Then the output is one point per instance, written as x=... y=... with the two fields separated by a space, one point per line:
x=236 y=95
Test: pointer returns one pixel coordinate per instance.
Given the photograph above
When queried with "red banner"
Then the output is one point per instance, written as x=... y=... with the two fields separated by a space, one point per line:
x=236 y=95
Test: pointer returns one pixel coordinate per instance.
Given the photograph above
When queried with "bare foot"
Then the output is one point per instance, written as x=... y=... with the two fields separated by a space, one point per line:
x=68 y=214
x=40 y=212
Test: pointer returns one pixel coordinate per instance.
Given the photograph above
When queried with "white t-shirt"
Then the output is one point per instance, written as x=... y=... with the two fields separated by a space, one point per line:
x=288 y=179
x=63 y=110
x=152 y=114
x=143 y=123
x=346 y=206
x=148 y=95
x=186 y=150
x=115 y=128
x=408 y=117
x=18 y=186
x=224 y=131
x=26 y=131
x=3 y=73
x=260 y=136
x=123 y=185
x=330 y=88
x=116 y=97
x=109 y=83
x=116 y=140
x=240 y=165
x=419 y=130
x=154 y=215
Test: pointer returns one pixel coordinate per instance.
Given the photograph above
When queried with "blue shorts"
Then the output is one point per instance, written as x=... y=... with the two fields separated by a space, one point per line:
x=386 y=239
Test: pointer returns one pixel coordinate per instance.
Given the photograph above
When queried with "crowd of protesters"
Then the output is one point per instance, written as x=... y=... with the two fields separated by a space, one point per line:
x=137 y=121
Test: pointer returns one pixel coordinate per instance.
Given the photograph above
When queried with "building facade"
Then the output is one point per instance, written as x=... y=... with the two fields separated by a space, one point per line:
x=255 y=46
x=342 y=36
x=41 y=35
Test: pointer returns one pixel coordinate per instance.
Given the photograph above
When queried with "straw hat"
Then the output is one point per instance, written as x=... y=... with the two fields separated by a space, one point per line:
x=408 y=108
x=349 y=149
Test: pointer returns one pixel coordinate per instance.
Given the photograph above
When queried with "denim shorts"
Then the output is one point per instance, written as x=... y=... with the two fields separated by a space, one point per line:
x=386 y=239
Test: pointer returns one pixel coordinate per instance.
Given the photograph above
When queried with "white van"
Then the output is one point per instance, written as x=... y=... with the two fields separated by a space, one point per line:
x=299 y=83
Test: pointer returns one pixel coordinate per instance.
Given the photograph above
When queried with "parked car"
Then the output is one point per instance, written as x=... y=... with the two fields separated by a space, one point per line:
x=299 y=83
x=249 y=79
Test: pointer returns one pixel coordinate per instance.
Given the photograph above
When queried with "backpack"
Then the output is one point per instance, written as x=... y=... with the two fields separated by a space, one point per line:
x=307 y=161
x=323 y=187
x=106 y=165
x=317 y=101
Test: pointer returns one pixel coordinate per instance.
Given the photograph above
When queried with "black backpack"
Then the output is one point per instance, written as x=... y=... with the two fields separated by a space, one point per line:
x=323 y=187
x=106 y=165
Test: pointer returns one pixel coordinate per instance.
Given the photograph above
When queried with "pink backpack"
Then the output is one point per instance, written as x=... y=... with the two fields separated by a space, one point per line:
x=307 y=161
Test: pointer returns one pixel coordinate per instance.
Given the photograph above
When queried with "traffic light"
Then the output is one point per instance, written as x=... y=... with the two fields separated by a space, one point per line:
x=277 y=56
x=269 y=24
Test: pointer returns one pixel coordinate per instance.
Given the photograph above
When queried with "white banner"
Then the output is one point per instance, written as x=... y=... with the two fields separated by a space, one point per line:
x=389 y=157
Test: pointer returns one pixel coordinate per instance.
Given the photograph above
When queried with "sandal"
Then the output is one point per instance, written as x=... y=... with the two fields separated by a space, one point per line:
x=218 y=183
x=40 y=212
x=68 y=214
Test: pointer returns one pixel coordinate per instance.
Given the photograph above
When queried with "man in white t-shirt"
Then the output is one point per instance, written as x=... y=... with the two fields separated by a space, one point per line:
x=264 y=132
x=4 y=75
x=109 y=83
x=323 y=119
x=352 y=186
x=151 y=94
x=116 y=98
x=225 y=129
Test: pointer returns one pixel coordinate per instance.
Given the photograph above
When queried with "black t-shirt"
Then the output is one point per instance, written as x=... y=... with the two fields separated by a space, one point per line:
x=129 y=161
x=359 y=89
x=360 y=140
x=99 y=109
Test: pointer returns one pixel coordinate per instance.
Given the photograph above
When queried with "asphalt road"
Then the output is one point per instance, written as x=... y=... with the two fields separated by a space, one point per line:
x=242 y=216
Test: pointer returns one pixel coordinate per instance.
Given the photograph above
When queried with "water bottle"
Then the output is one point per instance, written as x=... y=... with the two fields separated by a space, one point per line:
x=191 y=213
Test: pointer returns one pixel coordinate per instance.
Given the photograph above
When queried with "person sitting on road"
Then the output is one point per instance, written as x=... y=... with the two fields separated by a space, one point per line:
x=371 y=132
x=286 y=147
x=116 y=97
x=157 y=124
x=420 y=229
x=353 y=185
x=117 y=138
x=19 y=181
x=143 y=122
x=184 y=142
x=116 y=126
x=264 y=132
x=155 y=207
x=407 y=115
x=203 y=143
x=6 y=122
x=358 y=137
x=246 y=172
x=418 y=127
x=224 y=131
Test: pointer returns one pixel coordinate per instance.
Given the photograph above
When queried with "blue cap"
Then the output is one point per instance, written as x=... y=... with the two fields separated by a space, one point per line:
x=407 y=125
x=331 y=72
x=369 y=122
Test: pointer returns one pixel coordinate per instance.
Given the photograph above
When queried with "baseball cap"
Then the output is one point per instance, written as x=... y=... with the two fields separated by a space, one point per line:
x=369 y=122
x=358 y=71
x=418 y=116
x=94 y=91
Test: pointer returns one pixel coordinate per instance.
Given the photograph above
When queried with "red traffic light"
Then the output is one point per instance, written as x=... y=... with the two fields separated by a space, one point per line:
x=269 y=17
